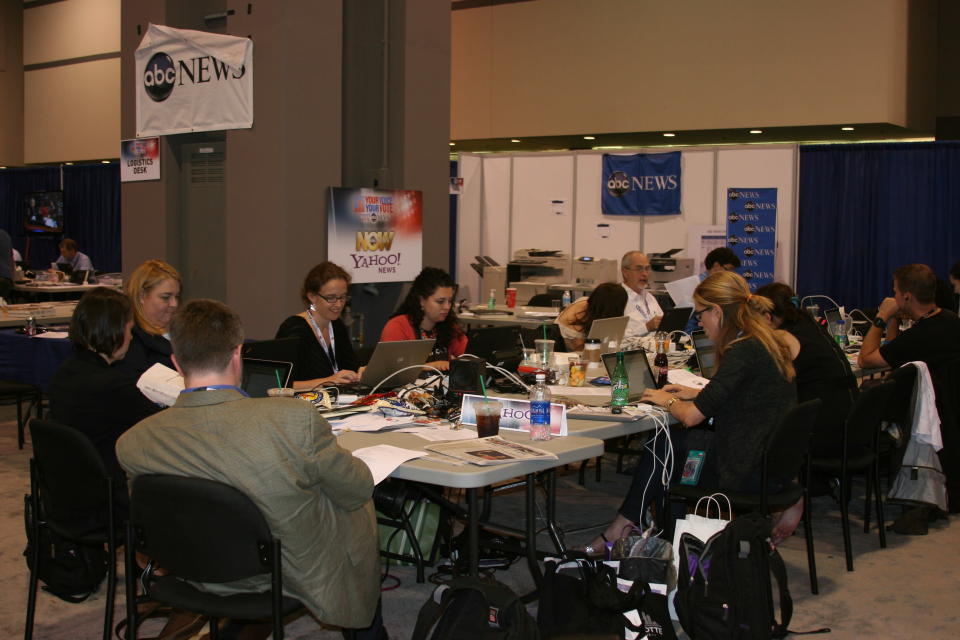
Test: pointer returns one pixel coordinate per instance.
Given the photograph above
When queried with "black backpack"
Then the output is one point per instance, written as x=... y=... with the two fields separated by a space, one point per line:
x=72 y=572
x=474 y=609
x=723 y=587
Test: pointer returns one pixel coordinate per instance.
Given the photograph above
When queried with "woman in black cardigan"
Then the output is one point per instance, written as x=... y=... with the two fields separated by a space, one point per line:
x=326 y=355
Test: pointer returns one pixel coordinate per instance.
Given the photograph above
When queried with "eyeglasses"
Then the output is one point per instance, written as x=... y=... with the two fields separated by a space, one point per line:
x=699 y=312
x=639 y=267
x=335 y=299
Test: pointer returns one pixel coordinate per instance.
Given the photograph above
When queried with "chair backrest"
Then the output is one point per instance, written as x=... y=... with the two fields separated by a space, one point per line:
x=545 y=299
x=199 y=529
x=897 y=405
x=790 y=441
x=863 y=423
x=70 y=470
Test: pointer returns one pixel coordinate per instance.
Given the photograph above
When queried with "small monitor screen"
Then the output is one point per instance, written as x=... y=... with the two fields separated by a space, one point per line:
x=260 y=375
x=43 y=212
x=706 y=354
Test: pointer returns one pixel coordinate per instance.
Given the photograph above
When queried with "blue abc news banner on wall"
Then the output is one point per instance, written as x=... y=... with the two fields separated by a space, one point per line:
x=752 y=232
x=641 y=184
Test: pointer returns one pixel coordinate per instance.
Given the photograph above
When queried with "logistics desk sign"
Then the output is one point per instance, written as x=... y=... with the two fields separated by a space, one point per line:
x=515 y=414
x=139 y=159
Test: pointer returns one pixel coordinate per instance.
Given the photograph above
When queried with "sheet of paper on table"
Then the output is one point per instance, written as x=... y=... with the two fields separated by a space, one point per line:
x=440 y=434
x=382 y=459
x=684 y=377
x=53 y=334
x=370 y=421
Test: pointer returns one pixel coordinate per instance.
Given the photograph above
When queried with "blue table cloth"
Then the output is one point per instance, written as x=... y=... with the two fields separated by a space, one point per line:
x=31 y=360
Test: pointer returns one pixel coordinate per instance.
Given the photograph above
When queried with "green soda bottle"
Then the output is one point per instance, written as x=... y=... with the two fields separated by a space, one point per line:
x=619 y=386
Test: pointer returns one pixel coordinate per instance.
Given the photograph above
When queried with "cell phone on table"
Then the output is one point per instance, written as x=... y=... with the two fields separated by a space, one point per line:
x=692 y=467
x=602 y=381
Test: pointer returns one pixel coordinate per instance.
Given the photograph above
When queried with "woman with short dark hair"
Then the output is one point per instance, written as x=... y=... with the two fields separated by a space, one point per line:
x=427 y=313
x=326 y=354
x=89 y=391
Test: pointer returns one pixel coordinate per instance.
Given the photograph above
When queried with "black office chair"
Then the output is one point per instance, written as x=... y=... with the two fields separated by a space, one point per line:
x=19 y=392
x=784 y=457
x=199 y=530
x=860 y=453
x=71 y=495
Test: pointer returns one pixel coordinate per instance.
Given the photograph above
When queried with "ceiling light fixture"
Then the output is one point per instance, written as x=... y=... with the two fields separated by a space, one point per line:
x=669 y=135
x=514 y=140
x=589 y=137
x=104 y=162
x=846 y=128
x=755 y=131
x=69 y=164
x=453 y=143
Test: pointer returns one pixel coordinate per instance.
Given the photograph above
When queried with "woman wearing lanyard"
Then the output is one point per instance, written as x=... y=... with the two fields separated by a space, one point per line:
x=326 y=354
x=427 y=313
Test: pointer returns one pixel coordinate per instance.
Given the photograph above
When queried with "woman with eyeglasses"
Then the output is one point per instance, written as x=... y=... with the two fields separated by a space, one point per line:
x=326 y=354
x=751 y=391
x=427 y=313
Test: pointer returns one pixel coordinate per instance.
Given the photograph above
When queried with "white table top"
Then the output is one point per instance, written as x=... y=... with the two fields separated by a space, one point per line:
x=55 y=287
x=568 y=449
x=520 y=316
x=15 y=315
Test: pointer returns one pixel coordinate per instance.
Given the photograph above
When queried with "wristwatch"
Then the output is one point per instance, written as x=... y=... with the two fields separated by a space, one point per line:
x=879 y=323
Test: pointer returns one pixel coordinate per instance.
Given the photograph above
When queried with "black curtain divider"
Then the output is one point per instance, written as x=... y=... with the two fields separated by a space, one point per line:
x=91 y=205
x=866 y=209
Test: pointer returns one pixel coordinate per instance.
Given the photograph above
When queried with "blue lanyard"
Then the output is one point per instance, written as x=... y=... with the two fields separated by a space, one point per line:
x=216 y=387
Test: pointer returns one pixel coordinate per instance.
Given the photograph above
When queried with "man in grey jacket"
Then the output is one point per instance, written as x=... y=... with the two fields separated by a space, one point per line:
x=315 y=495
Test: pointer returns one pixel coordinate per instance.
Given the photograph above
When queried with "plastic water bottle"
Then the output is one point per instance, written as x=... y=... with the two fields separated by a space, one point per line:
x=841 y=336
x=492 y=300
x=619 y=386
x=540 y=409
x=567 y=299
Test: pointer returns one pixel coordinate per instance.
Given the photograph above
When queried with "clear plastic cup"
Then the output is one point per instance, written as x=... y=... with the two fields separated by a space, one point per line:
x=488 y=417
x=544 y=350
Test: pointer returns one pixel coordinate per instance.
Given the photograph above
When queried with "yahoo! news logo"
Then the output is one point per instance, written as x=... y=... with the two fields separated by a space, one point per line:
x=162 y=74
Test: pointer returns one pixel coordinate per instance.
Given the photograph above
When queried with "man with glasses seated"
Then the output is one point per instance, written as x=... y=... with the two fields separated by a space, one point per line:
x=326 y=355
x=642 y=307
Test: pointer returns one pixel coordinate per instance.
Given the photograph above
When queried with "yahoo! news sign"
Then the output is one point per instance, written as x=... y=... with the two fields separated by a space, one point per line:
x=193 y=81
x=752 y=233
x=641 y=184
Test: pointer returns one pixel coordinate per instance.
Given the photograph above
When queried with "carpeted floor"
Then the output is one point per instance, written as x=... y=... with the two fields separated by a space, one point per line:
x=907 y=590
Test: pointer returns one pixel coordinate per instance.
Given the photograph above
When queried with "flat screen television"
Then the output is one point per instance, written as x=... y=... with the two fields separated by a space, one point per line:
x=43 y=212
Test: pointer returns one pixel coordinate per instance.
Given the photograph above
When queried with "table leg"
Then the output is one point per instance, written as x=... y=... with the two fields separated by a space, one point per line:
x=550 y=487
x=473 y=533
x=531 y=543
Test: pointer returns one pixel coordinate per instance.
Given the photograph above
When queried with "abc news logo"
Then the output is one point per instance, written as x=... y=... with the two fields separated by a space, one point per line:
x=162 y=75
x=618 y=184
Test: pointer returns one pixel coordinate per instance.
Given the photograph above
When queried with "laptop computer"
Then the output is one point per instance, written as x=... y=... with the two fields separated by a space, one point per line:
x=390 y=357
x=638 y=368
x=609 y=331
x=496 y=345
x=706 y=353
x=675 y=319
x=279 y=350
x=260 y=375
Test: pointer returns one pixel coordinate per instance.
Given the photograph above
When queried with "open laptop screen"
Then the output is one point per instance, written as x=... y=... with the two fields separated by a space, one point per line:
x=706 y=354
x=638 y=371
x=260 y=375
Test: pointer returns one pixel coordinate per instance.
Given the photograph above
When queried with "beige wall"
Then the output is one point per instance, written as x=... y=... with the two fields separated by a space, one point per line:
x=71 y=111
x=568 y=66
x=11 y=84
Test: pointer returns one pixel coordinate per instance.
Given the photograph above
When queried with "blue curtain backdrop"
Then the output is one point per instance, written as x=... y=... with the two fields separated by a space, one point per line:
x=91 y=204
x=866 y=209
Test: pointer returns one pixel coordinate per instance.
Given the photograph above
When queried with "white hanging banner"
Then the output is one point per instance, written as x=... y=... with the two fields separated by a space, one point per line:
x=193 y=81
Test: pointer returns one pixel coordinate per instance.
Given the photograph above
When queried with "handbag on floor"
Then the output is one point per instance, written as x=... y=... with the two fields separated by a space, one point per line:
x=470 y=608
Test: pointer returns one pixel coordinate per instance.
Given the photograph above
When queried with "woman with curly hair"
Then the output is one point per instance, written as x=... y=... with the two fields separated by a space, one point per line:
x=427 y=313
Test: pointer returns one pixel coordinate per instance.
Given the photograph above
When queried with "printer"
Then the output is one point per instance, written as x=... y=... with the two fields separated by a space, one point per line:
x=666 y=268
x=591 y=271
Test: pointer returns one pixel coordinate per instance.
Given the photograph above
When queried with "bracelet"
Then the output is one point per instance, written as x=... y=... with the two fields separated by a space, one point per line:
x=670 y=402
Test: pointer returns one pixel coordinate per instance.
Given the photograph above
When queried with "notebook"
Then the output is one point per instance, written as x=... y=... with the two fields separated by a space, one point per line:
x=260 y=375
x=609 y=331
x=706 y=353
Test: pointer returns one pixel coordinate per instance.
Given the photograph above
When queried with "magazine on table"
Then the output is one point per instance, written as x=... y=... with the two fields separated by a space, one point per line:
x=488 y=451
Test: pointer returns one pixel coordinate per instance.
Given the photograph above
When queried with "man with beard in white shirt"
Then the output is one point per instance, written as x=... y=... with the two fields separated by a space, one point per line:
x=645 y=314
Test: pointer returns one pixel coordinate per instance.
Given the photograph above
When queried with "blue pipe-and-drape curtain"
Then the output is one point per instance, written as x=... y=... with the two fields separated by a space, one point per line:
x=91 y=205
x=866 y=209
